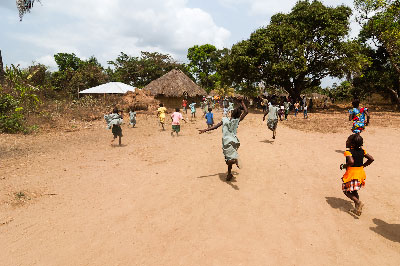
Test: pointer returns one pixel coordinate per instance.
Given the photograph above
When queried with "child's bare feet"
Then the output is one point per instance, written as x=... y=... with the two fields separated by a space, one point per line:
x=359 y=208
x=229 y=177
x=239 y=163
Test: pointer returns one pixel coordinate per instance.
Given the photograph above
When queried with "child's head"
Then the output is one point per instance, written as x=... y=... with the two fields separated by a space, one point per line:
x=236 y=113
x=161 y=105
x=115 y=110
x=209 y=110
x=176 y=109
x=131 y=108
x=354 y=141
x=356 y=103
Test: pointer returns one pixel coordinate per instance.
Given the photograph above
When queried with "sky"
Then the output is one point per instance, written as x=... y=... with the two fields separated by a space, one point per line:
x=105 y=28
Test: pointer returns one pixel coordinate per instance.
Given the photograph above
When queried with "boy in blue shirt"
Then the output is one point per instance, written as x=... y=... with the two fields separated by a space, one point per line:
x=210 y=118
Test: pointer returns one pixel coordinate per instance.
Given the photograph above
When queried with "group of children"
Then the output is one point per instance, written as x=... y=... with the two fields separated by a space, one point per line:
x=353 y=179
x=115 y=120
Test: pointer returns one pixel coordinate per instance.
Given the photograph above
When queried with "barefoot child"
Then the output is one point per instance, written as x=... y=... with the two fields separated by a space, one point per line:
x=132 y=116
x=296 y=108
x=358 y=115
x=161 y=115
x=354 y=178
x=210 y=118
x=176 y=125
x=114 y=121
x=230 y=142
x=192 y=107
x=272 y=121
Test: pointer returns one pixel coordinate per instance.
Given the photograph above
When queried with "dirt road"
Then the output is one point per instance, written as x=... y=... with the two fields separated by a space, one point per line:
x=72 y=199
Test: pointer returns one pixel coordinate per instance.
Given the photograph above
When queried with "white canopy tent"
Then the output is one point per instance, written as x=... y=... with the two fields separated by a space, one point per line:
x=111 y=87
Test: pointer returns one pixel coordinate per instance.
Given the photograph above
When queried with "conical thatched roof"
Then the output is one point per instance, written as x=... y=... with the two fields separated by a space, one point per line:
x=174 y=84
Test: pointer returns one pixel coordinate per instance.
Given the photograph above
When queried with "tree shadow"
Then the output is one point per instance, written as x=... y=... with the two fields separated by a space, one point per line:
x=388 y=231
x=341 y=204
x=222 y=177
x=267 y=141
x=339 y=151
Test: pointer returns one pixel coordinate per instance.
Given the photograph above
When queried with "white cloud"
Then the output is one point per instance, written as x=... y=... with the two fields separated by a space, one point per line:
x=271 y=7
x=105 y=28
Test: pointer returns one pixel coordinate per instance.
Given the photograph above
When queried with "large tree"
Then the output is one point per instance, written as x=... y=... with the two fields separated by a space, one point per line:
x=140 y=71
x=297 y=50
x=380 y=21
x=203 y=62
x=75 y=74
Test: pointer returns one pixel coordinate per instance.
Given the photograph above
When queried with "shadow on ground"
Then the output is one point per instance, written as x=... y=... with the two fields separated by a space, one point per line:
x=341 y=204
x=388 y=231
x=267 y=141
x=222 y=177
x=339 y=151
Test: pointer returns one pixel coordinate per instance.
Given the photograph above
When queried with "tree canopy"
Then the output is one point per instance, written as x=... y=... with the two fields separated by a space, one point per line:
x=203 y=62
x=296 y=50
x=140 y=71
x=380 y=21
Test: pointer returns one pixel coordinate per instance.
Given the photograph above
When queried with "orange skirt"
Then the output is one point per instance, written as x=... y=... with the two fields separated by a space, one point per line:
x=354 y=173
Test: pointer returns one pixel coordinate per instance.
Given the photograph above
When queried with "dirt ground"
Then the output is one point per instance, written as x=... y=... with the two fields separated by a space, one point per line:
x=69 y=198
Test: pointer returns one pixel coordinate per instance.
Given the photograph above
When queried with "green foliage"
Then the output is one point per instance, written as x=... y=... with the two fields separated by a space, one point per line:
x=380 y=21
x=67 y=61
x=379 y=77
x=75 y=74
x=18 y=102
x=203 y=61
x=239 y=67
x=296 y=50
x=341 y=92
x=140 y=71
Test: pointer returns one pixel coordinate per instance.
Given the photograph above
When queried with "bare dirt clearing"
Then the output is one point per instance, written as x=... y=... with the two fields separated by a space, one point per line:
x=68 y=198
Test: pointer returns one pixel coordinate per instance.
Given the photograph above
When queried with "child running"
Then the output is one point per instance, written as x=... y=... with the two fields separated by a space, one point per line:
x=305 y=111
x=132 y=116
x=354 y=178
x=176 y=125
x=358 y=115
x=210 y=118
x=272 y=121
x=192 y=107
x=296 y=108
x=184 y=105
x=114 y=122
x=230 y=142
x=161 y=111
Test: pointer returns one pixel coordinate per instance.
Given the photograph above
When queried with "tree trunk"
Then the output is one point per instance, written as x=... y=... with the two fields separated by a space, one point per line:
x=395 y=97
x=1 y=69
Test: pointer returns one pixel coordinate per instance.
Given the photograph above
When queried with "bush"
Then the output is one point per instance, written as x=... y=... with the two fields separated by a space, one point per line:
x=11 y=117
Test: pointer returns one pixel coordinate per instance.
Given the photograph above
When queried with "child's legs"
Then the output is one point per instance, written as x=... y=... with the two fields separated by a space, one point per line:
x=353 y=195
x=230 y=163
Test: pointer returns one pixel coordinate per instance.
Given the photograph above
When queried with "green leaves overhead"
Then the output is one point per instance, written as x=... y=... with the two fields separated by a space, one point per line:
x=140 y=71
x=296 y=50
x=380 y=21
x=203 y=61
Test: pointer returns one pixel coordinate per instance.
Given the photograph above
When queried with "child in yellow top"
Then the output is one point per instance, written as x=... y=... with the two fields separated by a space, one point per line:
x=354 y=178
x=161 y=111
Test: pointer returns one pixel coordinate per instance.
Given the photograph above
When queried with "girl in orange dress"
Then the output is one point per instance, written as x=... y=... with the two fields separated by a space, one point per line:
x=354 y=178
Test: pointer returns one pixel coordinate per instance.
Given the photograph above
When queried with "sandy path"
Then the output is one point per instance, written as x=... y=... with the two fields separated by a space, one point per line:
x=163 y=201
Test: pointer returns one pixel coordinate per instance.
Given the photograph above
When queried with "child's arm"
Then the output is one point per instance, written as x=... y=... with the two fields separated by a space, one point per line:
x=245 y=111
x=211 y=128
x=370 y=159
x=350 y=162
x=265 y=114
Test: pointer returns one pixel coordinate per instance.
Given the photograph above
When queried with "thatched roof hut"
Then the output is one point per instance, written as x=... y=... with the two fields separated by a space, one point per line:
x=175 y=84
